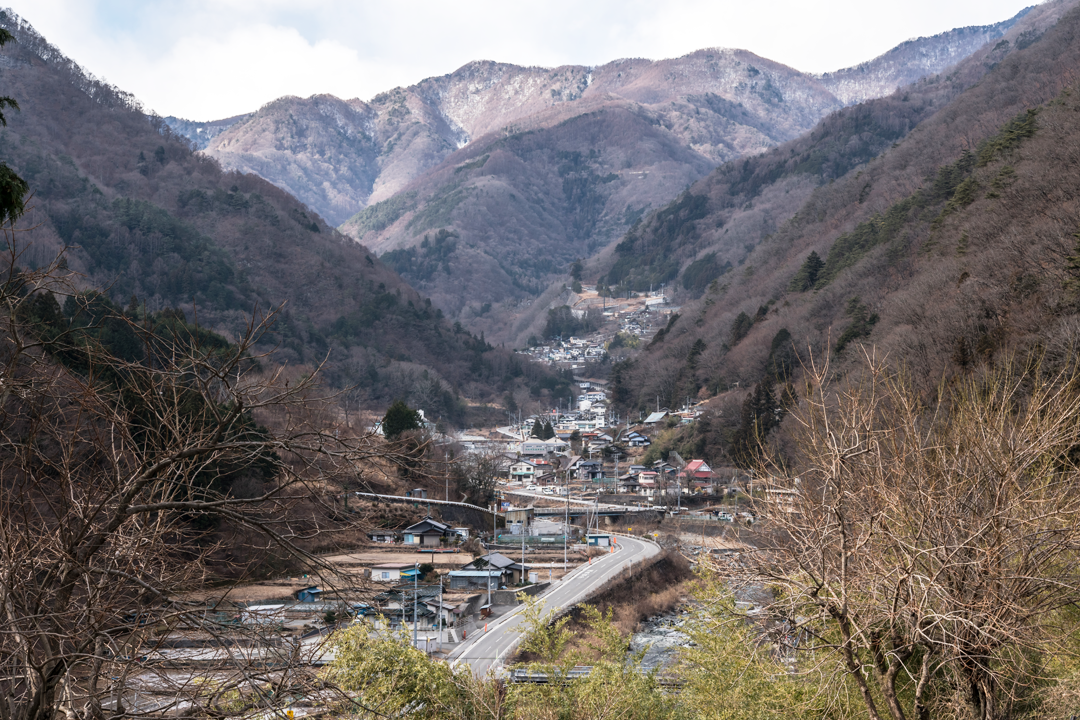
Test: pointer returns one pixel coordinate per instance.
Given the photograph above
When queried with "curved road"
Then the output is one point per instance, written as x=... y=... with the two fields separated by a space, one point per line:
x=486 y=651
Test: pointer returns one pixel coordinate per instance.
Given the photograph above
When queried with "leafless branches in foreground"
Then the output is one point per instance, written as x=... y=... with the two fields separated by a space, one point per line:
x=928 y=550
x=117 y=478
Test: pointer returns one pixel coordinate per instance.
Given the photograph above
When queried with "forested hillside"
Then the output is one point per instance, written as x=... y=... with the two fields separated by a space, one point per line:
x=529 y=169
x=160 y=226
x=952 y=250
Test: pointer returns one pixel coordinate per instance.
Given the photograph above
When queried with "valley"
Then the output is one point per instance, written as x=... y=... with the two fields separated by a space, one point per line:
x=427 y=405
x=525 y=170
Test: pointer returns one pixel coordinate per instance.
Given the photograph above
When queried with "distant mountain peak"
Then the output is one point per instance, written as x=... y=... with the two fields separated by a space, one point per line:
x=911 y=60
x=577 y=152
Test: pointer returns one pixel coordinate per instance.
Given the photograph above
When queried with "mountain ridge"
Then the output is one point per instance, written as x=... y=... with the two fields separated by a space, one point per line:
x=134 y=210
x=948 y=252
x=603 y=145
x=457 y=107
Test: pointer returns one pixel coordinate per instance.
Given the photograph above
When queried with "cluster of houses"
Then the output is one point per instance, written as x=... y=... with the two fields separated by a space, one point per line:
x=664 y=479
x=657 y=480
x=493 y=569
x=591 y=414
x=572 y=351
x=639 y=317
x=591 y=432
x=395 y=605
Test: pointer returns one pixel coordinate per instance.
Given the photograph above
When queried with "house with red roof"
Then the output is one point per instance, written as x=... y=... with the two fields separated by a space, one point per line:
x=698 y=475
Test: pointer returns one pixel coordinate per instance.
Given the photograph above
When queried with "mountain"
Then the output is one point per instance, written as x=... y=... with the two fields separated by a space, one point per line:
x=521 y=171
x=719 y=222
x=201 y=133
x=144 y=216
x=303 y=144
x=955 y=248
x=340 y=156
x=917 y=58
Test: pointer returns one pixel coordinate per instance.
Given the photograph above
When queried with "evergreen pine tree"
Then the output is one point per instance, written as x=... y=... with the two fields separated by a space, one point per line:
x=760 y=415
x=741 y=327
x=399 y=418
x=13 y=188
x=782 y=356
x=807 y=276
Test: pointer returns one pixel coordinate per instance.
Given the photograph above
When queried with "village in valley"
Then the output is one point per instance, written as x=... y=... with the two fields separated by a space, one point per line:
x=440 y=568
x=625 y=322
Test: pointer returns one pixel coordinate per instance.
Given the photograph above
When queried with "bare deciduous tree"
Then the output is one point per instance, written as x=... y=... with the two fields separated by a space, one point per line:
x=476 y=475
x=116 y=476
x=928 y=548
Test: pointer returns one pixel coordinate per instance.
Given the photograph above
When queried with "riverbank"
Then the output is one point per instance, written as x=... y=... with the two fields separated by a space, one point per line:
x=651 y=591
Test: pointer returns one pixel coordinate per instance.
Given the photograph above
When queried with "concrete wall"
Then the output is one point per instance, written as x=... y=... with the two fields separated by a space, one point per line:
x=509 y=597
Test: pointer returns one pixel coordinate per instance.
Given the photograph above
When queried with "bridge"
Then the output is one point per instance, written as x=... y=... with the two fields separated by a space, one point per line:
x=577 y=508
x=591 y=511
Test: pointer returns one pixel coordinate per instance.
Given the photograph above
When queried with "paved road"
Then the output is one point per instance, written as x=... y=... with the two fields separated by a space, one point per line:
x=490 y=649
x=587 y=504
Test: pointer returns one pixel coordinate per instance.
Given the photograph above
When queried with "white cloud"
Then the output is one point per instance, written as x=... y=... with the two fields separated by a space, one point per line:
x=205 y=59
x=241 y=71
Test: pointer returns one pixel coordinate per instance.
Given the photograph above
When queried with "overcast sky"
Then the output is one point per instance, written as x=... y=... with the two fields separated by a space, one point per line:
x=208 y=59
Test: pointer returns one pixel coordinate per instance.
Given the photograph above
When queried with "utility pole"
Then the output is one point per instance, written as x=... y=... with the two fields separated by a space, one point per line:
x=678 y=490
x=566 y=522
x=663 y=495
x=597 y=511
x=415 y=580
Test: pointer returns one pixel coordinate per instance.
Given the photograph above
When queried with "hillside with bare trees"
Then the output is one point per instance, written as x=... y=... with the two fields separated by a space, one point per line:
x=136 y=211
x=528 y=169
x=951 y=251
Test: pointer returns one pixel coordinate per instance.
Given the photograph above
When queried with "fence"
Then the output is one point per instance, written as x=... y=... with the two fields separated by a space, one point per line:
x=512 y=540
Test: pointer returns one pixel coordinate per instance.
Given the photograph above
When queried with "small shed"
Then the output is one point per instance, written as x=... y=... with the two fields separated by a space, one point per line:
x=309 y=594
x=599 y=539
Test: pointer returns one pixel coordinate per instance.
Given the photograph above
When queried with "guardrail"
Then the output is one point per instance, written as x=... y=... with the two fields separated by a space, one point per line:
x=527 y=675
x=515 y=540
x=427 y=501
